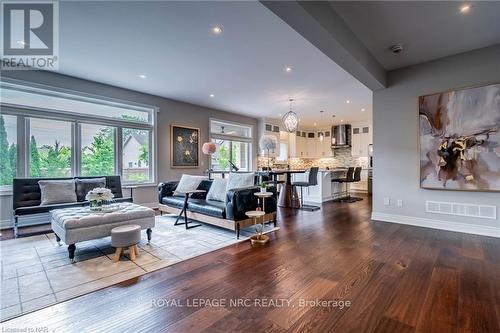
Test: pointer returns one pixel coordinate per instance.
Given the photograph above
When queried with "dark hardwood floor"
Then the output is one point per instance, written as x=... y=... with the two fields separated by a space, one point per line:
x=397 y=279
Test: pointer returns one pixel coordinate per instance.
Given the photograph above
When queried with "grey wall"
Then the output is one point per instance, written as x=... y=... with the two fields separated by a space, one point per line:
x=395 y=121
x=170 y=111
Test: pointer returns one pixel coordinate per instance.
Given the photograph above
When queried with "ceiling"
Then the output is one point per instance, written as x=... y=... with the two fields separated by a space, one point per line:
x=427 y=30
x=244 y=66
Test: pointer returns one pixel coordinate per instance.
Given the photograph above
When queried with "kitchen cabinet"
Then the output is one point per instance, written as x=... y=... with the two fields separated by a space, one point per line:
x=312 y=146
x=361 y=138
x=324 y=147
x=300 y=145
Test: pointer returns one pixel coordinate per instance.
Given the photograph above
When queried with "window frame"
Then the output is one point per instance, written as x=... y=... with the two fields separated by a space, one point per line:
x=231 y=139
x=24 y=114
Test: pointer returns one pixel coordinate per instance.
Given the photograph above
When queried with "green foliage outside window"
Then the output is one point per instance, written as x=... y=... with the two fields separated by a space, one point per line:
x=7 y=156
x=99 y=157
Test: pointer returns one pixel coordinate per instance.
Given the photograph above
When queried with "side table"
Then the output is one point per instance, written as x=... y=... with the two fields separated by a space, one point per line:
x=263 y=196
x=187 y=194
x=258 y=238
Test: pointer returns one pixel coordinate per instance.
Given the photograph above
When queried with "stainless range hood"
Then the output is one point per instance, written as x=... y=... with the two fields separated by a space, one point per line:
x=341 y=136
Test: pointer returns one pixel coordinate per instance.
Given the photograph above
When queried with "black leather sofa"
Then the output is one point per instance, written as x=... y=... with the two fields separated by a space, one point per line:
x=27 y=198
x=229 y=214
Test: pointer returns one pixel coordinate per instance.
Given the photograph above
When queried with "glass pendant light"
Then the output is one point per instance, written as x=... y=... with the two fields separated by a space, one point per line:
x=290 y=120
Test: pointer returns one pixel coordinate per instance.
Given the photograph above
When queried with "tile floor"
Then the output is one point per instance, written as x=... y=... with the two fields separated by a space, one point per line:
x=36 y=272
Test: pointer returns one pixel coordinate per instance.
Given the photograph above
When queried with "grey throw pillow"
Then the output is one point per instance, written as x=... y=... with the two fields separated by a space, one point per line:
x=238 y=180
x=85 y=185
x=57 y=191
x=218 y=190
x=188 y=183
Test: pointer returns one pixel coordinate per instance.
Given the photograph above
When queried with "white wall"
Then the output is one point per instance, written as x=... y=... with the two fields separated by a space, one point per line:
x=170 y=112
x=396 y=159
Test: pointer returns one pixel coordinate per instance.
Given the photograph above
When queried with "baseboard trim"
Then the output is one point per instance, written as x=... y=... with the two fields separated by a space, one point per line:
x=437 y=224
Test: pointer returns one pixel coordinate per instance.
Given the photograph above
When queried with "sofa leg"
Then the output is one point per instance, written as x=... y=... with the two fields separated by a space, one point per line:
x=15 y=226
x=58 y=239
x=149 y=232
x=71 y=250
x=275 y=221
x=237 y=231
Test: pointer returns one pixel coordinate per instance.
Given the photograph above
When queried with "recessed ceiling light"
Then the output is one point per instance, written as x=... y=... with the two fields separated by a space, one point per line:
x=280 y=114
x=288 y=68
x=348 y=101
x=465 y=8
x=341 y=120
x=142 y=76
x=211 y=95
x=217 y=30
x=315 y=124
x=363 y=110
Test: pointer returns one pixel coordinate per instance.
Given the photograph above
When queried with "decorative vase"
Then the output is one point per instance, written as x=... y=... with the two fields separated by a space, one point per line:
x=263 y=190
x=95 y=206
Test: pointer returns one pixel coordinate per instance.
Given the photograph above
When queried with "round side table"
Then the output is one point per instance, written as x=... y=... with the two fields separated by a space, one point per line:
x=258 y=238
x=263 y=196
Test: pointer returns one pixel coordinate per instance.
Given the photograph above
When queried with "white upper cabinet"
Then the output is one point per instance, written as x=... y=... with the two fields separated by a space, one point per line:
x=361 y=138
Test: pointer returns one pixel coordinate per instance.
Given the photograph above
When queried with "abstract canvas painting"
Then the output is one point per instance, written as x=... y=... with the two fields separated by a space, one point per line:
x=185 y=147
x=460 y=139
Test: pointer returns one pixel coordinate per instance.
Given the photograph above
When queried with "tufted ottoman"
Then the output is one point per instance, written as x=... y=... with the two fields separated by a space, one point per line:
x=78 y=224
x=126 y=236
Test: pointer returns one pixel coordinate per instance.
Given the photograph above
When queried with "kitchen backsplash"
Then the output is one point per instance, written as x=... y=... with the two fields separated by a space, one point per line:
x=342 y=158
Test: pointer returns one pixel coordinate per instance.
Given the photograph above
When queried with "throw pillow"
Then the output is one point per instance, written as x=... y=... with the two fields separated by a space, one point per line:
x=85 y=185
x=218 y=191
x=188 y=183
x=57 y=191
x=238 y=180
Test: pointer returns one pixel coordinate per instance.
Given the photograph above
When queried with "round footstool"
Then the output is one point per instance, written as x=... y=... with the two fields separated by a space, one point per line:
x=125 y=236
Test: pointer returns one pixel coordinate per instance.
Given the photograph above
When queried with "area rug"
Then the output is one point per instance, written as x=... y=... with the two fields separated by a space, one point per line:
x=37 y=273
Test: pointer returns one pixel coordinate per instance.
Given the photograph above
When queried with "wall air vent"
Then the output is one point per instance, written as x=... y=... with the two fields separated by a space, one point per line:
x=461 y=209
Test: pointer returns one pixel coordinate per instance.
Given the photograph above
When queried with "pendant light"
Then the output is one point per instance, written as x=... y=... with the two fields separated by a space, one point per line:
x=290 y=119
x=321 y=134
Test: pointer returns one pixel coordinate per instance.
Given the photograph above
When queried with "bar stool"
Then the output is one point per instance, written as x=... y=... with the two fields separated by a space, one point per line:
x=357 y=178
x=312 y=181
x=349 y=177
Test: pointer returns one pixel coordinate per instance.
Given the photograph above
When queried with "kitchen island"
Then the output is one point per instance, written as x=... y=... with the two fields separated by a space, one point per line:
x=326 y=190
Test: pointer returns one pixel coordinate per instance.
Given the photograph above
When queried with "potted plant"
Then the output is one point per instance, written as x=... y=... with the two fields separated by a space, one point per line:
x=263 y=187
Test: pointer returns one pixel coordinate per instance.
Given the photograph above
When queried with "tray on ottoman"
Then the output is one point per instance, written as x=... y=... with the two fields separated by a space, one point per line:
x=78 y=224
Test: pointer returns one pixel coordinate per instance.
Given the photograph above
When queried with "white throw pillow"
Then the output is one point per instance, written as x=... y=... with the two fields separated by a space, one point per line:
x=218 y=191
x=238 y=180
x=57 y=191
x=188 y=183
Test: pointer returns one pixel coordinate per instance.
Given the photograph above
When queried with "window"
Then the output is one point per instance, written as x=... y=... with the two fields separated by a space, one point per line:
x=20 y=95
x=69 y=134
x=8 y=149
x=233 y=145
x=240 y=155
x=49 y=148
x=230 y=129
x=98 y=150
x=136 y=155
x=220 y=159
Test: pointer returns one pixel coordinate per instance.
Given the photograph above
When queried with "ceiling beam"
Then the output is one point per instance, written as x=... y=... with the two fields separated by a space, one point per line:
x=318 y=22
